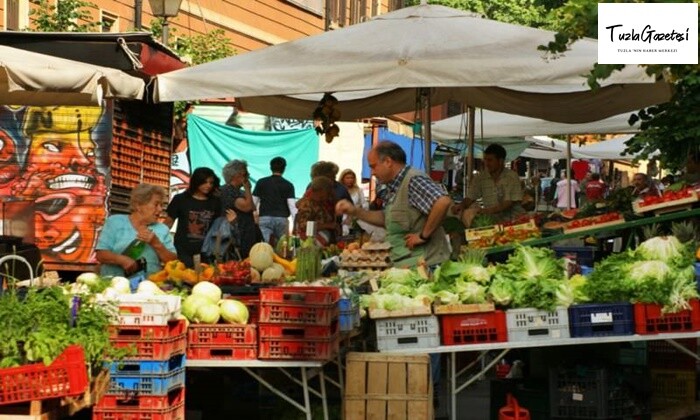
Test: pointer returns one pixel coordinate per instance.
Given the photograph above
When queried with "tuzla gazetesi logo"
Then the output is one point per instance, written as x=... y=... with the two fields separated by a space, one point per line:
x=648 y=33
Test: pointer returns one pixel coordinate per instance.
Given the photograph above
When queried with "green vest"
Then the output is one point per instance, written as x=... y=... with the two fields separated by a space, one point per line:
x=401 y=219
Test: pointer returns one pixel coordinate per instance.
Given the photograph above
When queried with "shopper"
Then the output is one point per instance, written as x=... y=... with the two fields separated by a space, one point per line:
x=194 y=210
x=642 y=186
x=313 y=207
x=595 y=189
x=138 y=231
x=236 y=195
x=349 y=180
x=274 y=198
x=566 y=193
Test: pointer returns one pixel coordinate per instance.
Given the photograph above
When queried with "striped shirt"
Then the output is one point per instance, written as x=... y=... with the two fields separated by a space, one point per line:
x=423 y=192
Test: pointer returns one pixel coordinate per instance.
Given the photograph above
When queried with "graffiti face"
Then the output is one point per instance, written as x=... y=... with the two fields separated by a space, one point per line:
x=9 y=168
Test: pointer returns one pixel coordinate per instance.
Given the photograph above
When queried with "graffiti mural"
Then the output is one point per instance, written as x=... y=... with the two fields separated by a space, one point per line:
x=285 y=124
x=57 y=157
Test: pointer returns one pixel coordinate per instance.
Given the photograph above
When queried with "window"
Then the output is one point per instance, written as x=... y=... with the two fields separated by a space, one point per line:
x=110 y=22
x=315 y=6
x=17 y=15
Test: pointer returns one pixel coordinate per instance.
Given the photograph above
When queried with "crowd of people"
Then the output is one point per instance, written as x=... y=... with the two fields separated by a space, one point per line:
x=222 y=222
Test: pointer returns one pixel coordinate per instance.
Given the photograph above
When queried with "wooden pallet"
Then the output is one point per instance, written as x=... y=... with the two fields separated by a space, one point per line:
x=667 y=206
x=595 y=226
x=463 y=308
x=383 y=386
x=97 y=388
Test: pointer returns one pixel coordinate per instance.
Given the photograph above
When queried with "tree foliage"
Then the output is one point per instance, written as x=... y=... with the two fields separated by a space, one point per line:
x=64 y=16
x=531 y=13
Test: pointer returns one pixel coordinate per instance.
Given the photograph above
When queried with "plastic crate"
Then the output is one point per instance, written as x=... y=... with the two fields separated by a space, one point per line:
x=534 y=324
x=478 y=327
x=597 y=320
x=65 y=376
x=297 y=332
x=176 y=412
x=318 y=349
x=632 y=354
x=648 y=319
x=581 y=255
x=663 y=355
x=222 y=334
x=148 y=332
x=349 y=320
x=142 y=402
x=146 y=367
x=588 y=393
x=154 y=349
x=407 y=333
x=298 y=314
x=195 y=352
x=146 y=384
x=139 y=309
x=672 y=388
x=300 y=295
x=252 y=302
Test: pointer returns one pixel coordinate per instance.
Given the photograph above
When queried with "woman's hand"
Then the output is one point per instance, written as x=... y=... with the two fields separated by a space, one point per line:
x=231 y=215
x=146 y=235
x=129 y=265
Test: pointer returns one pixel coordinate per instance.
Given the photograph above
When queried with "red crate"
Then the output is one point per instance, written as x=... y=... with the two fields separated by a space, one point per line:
x=154 y=349
x=222 y=334
x=176 y=412
x=298 y=314
x=300 y=295
x=222 y=353
x=662 y=355
x=141 y=401
x=147 y=332
x=478 y=327
x=648 y=319
x=302 y=332
x=252 y=302
x=65 y=376
x=320 y=349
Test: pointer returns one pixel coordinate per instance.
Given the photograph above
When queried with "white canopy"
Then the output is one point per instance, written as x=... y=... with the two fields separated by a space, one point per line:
x=28 y=78
x=374 y=68
x=497 y=124
x=609 y=149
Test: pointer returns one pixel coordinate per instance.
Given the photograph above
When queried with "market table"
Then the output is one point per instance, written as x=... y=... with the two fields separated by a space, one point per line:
x=505 y=347
x=627 y=225
x=306 y=368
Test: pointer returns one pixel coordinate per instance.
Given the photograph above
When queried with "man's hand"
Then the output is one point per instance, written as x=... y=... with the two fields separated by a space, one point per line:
x=344 y=207
x=457 y=209
x=413 y=240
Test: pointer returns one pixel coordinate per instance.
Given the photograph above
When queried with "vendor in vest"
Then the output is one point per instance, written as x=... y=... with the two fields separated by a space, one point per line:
x=414 y=210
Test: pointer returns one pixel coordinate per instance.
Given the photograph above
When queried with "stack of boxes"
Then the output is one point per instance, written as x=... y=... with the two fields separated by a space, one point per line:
x=150 y=382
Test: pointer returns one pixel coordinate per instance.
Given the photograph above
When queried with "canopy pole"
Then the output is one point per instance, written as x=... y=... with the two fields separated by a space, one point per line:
x=568 y=173
x=427 y=131
x=471 y=117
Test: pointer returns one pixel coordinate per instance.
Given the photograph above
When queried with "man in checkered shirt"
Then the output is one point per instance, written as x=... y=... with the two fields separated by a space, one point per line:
x=414 y=210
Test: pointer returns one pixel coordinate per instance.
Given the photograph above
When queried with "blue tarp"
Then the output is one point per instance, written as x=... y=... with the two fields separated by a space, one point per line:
x=213 y=145
x=412 y=147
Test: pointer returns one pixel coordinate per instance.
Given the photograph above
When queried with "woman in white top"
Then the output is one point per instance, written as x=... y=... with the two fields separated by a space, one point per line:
x=349 y=180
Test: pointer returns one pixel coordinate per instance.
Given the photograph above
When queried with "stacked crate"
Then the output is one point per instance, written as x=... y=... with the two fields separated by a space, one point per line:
x=299 y=323
x=222 y=342
x=150 y=382
x=673 y=373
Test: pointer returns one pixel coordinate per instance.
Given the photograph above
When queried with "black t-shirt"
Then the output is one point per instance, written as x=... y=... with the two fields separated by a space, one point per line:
x=273 y=192
x=247 y=228
x=194 y=217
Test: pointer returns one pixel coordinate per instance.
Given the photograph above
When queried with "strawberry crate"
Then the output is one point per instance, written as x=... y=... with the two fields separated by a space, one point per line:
x=133 y=332
x=596 y=320
x=176 y=412
x=672 y=388
x=154 y=349
x=146 y=384
x=316 y=349
x=146 y=367
x=535 y=324
x=222 y=334
x=649 y=319
x=142 y=402
x=300 y=295
x=207 y=352
x=407 y=332
x=65 y=376
x=323 y=314
x=301 y=332
x=473 y=328
x=662 y=355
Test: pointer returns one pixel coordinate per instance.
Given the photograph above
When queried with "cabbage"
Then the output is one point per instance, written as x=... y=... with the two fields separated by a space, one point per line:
x=233 y=311
x=88 y=279
x=649 y=270
x=501 y=291
x=470 y=292
x=121 y=285
x=191 y=304
x=208 y=290
x=565 y=295
x=477 y=273
x=147 y=287
x=400 y=275
x=207 y=313
x=661 y=248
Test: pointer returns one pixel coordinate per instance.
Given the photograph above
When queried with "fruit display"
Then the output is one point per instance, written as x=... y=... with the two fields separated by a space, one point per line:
x=177 y=272
x=370 y=255
x=517 y=230
x=235 y=273
x=585 y=223
x=668 y=199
